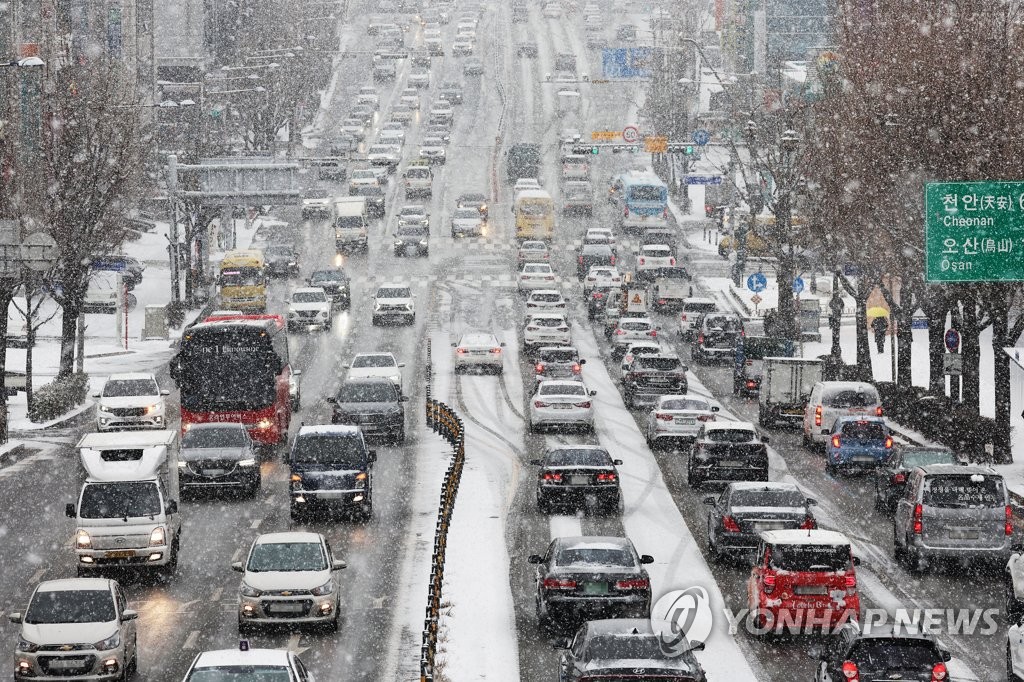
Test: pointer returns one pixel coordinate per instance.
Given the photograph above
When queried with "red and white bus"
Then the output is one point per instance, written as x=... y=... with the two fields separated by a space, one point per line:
x=235 y=368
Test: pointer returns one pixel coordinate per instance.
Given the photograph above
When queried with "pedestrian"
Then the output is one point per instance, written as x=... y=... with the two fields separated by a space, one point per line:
x=880 y=325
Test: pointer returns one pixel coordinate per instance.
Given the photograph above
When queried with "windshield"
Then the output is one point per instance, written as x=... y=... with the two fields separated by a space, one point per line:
x=377 y=360
x=123 y=500
x=685 y=404
x=647 y=193
x=885 y=653
x=767 y=498
x=573 y=388
x=920 y=458
x=960 y=491
x=345 y=451
x=632 y=647
x=810 y=557
x=71 y=606
x=850 y=398
x=657 y=364
x=118 y=388
x=534 y=208
x=309 y=297
x=594 y=556
x=241 y=277
x=229 y=436
x=398 y=292
x=287 y=556
x=241 y=673
x=729 y=435
x=864 y=431
x=571 y=457
x=360 y=392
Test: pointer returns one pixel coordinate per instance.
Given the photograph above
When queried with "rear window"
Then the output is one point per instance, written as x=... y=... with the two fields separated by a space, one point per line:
x=920 y=458
x=885 y=652
x=557 y=356
x=729 y=435
x=635 y=326
x=630 y=647
x=658 y=364
x=699 y=307
x=767 y=498
x=685 y=404
x=870 y=431
x=594 y=556
x=548 y=322
x=587 y=457
x=647 y=193
x=963 y=491
x=547 y=298
x=847 y=398
x=568 y=388
x=810 y=557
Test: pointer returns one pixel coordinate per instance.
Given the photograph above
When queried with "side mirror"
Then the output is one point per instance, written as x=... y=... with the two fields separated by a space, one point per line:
x=617 y=462
x=237 y=567
x=646 y=559
x=714 y=408
x=129 y=614
x=401 y=364
x=371 y=456
x=297 y=372
x=582 y=362
x=164 y=391
x=69 y=510
x=593 y=393
x=454 y=345
x=559 y=642
x=699 y=646
x=403 y=398
x=331 y=399
x=709 y=501
x=537 y=462
x=14 y=617
x=811 y=502
x=338 y=564
x=95 y=395
x=535 y=559
x=856 y=561
x=502 y=344
x=172 y=507
x=945 y=655
x=765 y=439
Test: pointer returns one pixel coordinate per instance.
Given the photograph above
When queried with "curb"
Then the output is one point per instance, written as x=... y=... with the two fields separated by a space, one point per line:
x=6 y=452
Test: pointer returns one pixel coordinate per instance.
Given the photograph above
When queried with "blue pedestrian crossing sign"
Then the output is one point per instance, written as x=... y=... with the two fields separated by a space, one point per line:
x=798 y=285
x=757 y=282
x=700 y=137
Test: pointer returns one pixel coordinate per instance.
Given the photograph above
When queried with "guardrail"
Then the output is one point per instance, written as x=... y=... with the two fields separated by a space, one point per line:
x=445 y=422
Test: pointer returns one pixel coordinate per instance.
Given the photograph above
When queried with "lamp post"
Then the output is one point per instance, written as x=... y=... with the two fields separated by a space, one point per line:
x=789 y=142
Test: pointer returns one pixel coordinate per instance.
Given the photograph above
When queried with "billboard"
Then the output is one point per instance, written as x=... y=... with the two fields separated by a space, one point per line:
x=626 y=62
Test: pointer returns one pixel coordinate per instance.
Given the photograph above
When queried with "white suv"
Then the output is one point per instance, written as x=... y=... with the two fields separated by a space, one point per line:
x=546 y=329
x=76 y=628
x=131 y=401
x=394 y=303
x=368 y=365
x=309 y=307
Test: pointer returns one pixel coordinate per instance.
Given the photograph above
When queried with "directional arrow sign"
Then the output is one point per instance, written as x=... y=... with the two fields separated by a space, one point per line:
x=757 y=282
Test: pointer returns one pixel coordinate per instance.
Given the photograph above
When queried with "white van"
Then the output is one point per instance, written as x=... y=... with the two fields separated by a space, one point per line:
x=830 y=400
x=351 y=220
x=102 y=292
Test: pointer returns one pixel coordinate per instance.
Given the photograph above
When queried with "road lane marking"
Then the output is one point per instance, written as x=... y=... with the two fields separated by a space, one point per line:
x=37 y=576
x=216 y=594
x=237 y=555
x=256 y=524
x=192 y=640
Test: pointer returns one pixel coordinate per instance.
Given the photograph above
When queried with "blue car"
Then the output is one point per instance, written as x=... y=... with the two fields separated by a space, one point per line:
x=857 y=442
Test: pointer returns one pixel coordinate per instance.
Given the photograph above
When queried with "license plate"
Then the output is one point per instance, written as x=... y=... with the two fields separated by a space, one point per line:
x=65 y=663
x=868 y=459
x=579 y=480
x=768 y=525
x=214 y=472
x=595 y=588
x=793 y=410
x=962 y=534
x=810 y=589
x=287 y=608
x=559 y=406
x=120 y=554
x=730 y=463
x=686 y=422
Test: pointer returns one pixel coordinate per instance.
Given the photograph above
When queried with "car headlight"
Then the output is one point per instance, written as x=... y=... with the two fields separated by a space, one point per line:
x=248 y=591
x=25 y=645
x=323 y=313
x=105 y=408
x=398 y=243
x=156 y=407
x=82 y=539
x=247 y=462
x=423 y=242
x=158 y=537
x=109 y=643
x=376 y=306
x=326 y=588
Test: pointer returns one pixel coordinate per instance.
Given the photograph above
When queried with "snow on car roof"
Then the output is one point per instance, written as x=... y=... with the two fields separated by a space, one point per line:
x=729 y=426
x=795 y=536
x=593 y=542
x=288 y=536
x=231 y=657
x=761 y=485
x=328 y=429
x=70 y=584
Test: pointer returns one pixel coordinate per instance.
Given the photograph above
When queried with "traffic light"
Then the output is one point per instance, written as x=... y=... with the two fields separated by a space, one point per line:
x=681 y=148
x=586 y=150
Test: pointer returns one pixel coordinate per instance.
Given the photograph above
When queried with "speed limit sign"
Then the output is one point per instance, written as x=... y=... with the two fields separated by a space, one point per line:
x=630 y=135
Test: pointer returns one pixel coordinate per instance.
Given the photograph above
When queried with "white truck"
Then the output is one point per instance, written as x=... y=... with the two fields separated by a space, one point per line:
x=418 y=179
x=127 y=511
x=351 y=222
x=786 y=384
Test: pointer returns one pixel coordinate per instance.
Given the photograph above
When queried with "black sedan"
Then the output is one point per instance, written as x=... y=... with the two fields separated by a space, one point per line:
x=335 y=284
x=580 y=578
x=372 y=404
x=219 y=457
x=880 y=653
x=281 y=260
x=625 y=649
x=591 y=255
x=736 y=519
x=727 y=451
x=573 y=474
x=475 y=200
x=891 y=476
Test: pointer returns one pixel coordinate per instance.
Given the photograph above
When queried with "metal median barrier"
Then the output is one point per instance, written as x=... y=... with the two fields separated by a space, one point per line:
x=445 y=422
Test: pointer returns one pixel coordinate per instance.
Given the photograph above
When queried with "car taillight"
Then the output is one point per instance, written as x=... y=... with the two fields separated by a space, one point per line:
x=539 y=368
x=817 y=415
x=579 y=259
x=598 y=295
x=662 y=301
x=556 y=584
x=642 y=261
x=661 y=416
x=705 y=417
x=576 y=368
x=808 y=524
x=729 y=524
x=619 y=332
x=585 y=404
x=900 y=478
x=851 y=580
x=1009 y=520
x=607 y=477
x=939 y=672
x=888 y=442
x=633 y=584
x=769 y=583
x=613 y=260
x=664 y=213
x=495 y=350
x=672 y=261
x=652 y=333
x=700 y=338
x=549 y=476
x=878 y=411
x=850 y=671
x=539 y=403
x=837 y=441
x=626 y=211
x=918 y=519
x=751 y=383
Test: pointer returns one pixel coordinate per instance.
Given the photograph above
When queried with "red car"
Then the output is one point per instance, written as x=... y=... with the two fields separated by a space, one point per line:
x=803 y=581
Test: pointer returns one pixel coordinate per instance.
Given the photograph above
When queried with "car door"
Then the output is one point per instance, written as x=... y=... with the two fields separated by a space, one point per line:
x=128 y=627
x=904 y=508
x=572 y=661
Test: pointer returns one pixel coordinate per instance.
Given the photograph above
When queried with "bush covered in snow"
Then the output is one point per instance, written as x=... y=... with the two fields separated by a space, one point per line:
x=59 y=397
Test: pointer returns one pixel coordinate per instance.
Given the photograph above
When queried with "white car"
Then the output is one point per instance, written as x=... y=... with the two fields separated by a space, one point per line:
x=76 y=628
x=632 y=329
x=601 y=277
x=545 y=300
x=288 y=578
x=394 y=303
x=317 y=202
x=387 y=155
x=392 y=133
x=433 y=150
x=552 y=10
x=309 y=307
x=131 y=401
x=678 y=418
x=536 y=276
x=532 y=251
x=368 y=95
x=419 y=78
x=599 y=232
x=462 y=47
x=238 y=664
x=402 y=113
x=654 y=257
x=467 y=222
x=525 y=183
x=413 y=214
x=480 y=350
x=693 y=309
x=546 y=329
x=354 y=127
x=411 y=98
x=441 y=111
x=561 y=403
x=639 y=348
x=368 y=365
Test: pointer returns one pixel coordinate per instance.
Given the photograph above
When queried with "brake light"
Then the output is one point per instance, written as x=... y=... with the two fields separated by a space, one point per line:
x=751 y=383
x=851 y=580
x=495 y=350
x=850 y=671
x=539 y=403
x=672 y=261
x=769 y=583
x=899 y=478
x=837 y=441
x=460 y=351
x=729 y=524
x=585 y=404
x=556 y=584
x=539 y=368
x=817 y=415
x=700 y=338
x=1009 y=520
x=619 y=332
x=808 y=524
x=878 y=411
x=549 y=476
x=579 y=259
x=633 y=584
x=626 y=212
x=607 y=477
x=682 y=318
x=652 y=333
x=888 y=442
x=939 y=672
x=576 y=368
x=642 y=261
x=613 y=260
x=661 y=416
x=918 y=519
x=662 y=301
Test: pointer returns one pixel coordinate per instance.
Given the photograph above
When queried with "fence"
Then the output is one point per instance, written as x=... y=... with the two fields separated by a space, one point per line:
x=443 y=421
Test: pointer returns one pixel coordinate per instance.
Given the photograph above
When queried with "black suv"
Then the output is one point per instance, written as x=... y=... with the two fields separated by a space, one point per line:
x=651 y=375
x=331 y=467
x=717 y=336
x=335 y=284
x=573 y=473
x=281 y=260
x=374 y=405
x=624 y=648
x=593 y=254
x=884 y=654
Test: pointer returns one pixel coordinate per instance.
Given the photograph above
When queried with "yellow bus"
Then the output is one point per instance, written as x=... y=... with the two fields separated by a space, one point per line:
x=535 y=215
x=242 y=278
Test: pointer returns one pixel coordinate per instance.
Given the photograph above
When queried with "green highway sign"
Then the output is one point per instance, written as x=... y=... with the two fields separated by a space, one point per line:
x=974 y=231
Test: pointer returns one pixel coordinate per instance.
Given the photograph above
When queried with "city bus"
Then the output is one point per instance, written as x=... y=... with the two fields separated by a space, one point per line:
x=235 y=368
x=534 y=211
x=242 y=277
x=642 y=200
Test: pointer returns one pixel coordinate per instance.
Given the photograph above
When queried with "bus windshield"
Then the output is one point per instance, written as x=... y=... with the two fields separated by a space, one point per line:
x=227 y=367
x=241 y=277
x=647 y=193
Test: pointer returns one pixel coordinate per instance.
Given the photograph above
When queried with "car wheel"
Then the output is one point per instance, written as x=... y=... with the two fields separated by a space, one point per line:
x=692 y=479
x=133 y=665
